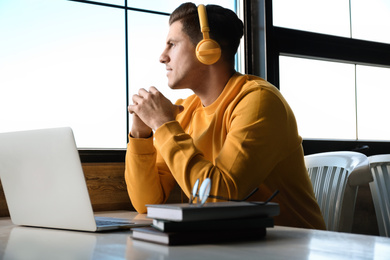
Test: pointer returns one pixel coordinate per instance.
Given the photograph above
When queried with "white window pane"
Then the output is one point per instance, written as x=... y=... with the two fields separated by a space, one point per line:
x=62 y=64
x=168 y=6
x=371 y=20
x=327 y=17
x=373 y=92
x=322 y=96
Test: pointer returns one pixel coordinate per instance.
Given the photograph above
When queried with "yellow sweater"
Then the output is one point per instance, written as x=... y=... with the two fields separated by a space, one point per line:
x=247 y=138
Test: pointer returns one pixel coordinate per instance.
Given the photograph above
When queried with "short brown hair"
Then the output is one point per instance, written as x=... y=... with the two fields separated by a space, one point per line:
x=225 y=27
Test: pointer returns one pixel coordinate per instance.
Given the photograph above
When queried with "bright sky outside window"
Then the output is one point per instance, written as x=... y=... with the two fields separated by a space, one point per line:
x=371 y=20
x=328 y=17
x=373 y=92
x=62 y=63
x=322 y=96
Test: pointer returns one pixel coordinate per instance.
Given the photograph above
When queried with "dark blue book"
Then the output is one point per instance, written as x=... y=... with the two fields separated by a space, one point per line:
x=214 y=224
x=212 y=210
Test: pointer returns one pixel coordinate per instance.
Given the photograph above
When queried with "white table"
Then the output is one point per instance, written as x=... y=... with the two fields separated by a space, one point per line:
x=280 y=243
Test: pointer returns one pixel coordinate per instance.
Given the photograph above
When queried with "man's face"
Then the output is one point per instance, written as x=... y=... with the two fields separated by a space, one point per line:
x=183 y=68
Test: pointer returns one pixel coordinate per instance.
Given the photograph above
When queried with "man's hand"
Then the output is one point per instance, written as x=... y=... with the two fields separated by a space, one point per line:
x=139 y=129
x=152 y=109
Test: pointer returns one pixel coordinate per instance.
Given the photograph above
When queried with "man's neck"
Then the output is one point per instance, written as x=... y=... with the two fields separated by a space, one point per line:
x=213 y=87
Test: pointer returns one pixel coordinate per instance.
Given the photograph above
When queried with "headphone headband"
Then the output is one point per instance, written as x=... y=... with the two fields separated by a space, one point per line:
x=208 y=51
x=204 y=23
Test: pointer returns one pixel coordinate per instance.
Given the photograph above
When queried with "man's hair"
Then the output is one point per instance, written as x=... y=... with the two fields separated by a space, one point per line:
x=225 y=27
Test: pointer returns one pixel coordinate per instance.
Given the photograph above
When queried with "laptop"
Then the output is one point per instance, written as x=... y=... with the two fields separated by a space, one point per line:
x=45 y=244
x=44 y=184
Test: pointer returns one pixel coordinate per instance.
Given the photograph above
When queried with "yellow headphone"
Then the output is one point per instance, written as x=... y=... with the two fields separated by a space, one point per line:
x=207 y=51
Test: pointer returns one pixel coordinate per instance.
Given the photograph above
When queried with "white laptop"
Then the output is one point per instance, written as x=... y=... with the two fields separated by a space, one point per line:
x=49 y=244
x=44 y=184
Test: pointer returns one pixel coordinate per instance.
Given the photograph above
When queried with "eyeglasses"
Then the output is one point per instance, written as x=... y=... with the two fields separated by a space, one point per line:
x=204 y=194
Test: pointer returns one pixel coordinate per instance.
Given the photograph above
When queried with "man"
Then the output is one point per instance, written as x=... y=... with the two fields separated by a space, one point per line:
x=236 y=129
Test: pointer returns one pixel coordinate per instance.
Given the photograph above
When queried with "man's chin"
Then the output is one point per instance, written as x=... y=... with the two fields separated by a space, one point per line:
x=175 y=86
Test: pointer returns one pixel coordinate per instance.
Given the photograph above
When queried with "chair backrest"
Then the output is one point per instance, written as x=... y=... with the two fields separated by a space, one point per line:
x=335 y=177
x=380 y=190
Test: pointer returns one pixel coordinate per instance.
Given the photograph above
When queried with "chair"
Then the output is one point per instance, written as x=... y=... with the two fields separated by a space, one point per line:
x=380 y=191
x=335 y=177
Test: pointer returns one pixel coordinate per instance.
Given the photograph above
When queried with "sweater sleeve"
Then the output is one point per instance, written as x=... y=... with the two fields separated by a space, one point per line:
x=148 y=179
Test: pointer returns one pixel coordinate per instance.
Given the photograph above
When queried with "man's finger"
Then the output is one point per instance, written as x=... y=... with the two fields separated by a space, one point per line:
x=137 y=99
x=142 y=93
x=130 y=108
x=153 y=90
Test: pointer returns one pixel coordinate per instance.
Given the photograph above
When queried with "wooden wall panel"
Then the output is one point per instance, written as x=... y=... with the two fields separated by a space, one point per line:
x=106 y=186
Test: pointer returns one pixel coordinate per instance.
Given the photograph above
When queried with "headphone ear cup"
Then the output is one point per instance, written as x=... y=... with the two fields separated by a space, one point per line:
x=208 y=51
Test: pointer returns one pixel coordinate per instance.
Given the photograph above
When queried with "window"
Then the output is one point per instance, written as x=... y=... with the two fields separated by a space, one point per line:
x=332 y=69
x=62 y=63
x=76 y=63
x=346 y=18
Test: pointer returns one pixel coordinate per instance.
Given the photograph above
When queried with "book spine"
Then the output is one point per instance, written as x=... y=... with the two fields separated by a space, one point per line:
x=227 y=213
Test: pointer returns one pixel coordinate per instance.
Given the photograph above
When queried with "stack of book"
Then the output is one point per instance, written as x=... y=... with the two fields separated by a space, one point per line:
x=215 y=222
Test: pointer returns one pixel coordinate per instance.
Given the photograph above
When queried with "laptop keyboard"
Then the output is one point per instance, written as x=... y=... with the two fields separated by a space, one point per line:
x=103 y=221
